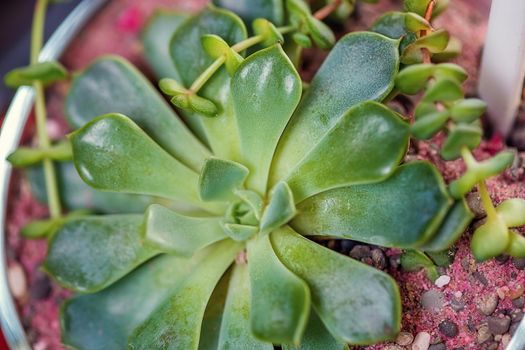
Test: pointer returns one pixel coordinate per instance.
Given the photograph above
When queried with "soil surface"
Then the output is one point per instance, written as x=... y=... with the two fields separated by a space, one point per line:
x=475 y=307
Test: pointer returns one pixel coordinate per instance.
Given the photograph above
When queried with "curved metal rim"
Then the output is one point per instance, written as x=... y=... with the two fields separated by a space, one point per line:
x=10 y=134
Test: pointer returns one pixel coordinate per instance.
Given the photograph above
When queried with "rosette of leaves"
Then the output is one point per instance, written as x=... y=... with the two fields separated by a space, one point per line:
x=223 y=258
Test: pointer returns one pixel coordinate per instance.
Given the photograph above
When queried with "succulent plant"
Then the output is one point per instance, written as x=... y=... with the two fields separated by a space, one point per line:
x=238 y=191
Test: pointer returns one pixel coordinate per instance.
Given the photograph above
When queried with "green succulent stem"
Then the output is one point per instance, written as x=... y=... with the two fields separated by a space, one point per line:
x=53 y=197
x=240 y=46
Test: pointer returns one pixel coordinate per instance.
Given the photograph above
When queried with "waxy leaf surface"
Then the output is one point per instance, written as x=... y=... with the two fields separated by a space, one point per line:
x=280 y=301
x=112 y=314
x=365 y=145
x=176 y=324
x=89 y=254
x=402 y=211
x=266 y=89
x=113 y=85
x=249 y=10
x=362 y=66
x=220 y=178
x=357 y=303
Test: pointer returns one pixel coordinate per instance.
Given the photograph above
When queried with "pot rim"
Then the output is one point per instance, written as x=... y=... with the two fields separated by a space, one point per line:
x=10 y=135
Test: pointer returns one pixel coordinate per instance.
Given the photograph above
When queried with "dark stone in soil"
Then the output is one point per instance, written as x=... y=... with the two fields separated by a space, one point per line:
x=474 y=203
x=40 y=286
x=502 y=259
x=487 y=303
x=347 y=245
x=519 y=302
x=394 y=261
x=516 y=316
x=360 y=252
x=491 y=345
x=439 y=346
x=498 y=324
x=448 y=328
x=378 y=259
x=518 y=263
x=457 y=305
x=480 y=277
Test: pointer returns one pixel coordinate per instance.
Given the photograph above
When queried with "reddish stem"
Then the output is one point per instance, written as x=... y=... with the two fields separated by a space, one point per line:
x=325 y=11
x=428 y=17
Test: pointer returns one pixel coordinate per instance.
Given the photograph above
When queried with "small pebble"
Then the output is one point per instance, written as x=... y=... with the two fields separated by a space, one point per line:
x=519 y=302
x=393 y=347
x=486 y=304
x=432 y=300
x=360 y=251
x=457 y=305
x=421 y=341
x=483 y=334
x=480 y=277
x=498 y=324
x=474 y=203
x=394 y=261
x=439 y=346
x=442 y=281
x=516 y=316
x=40 y=286
x=502 y=259
x=347 y=245
x=505 y=340
x=518 y=263
x=378 y=258
x=502 y=292
x=491 y=345
x=448 y=328
x=17 y=280
x=404 y=338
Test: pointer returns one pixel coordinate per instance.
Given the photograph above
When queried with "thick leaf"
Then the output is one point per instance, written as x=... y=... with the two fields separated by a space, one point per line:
x=235 y=327
x=280 y=301
x=444 y=90
x=365 y=145
x=265 y=90
x=156 y=37
x=176 y=324
x=516 y=246
x=219 y=179
x=171 y=232
x=402 y=211
x=75 y=194
x=280 y=210
x=434 y=42
x=357 y=303
x=414 y=260
x=240 y=232
x=316 y=337
x=105 y=320
x=249 y=10
x=26 y=156
x=453 y=226
x=393 y=25
x=113 y=85
x=512 y=211
x=490 y=239
x=89 y=254
x=44 y=72
x=113 y=154
x=362 y=66
x=429 y=124
x=467 y=110
x=414 y=78
x=268 y=31
x=191 y=60
x=461 y=135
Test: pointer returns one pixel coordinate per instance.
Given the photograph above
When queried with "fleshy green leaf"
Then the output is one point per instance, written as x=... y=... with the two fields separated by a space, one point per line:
x=91 y=253
x=415 y=22
x=26 y=156
x=112 y=85
x=453 y=226
x=450 y=71
x=44 y=72
x=434 y=42
x=461 y=135
x=480 y=171
x=414 y=260
x=267 y=30
x=468 y=110
x=357 y=303
x=105 y=320
x=220 y=178
x=235 y=330
x=411 y=204
x=417 y=6
x=280 y=210
x=171 y=232
x=414 y=78
x=452 y=51
x=176 y=323
x=490 y=239
x=156 y=37
x=271 y=77
x=393 y=25
x=428 y=125
x=362 y=66
x=365 y=145
x=516 y=247
x=253 y=200
x=280 y=301
x=321 y=34
x=249 y=10
x=216 y=47
x=444 y=90
x=113 y=154
x=48 y=227
x=512 y=211
x=316 y=337
x=240 y=232
x=424 y=108
x=191 y=60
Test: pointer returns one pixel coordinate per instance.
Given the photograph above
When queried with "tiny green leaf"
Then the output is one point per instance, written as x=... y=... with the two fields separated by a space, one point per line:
x=444 y=90
x=171 y=232
x=44 y=72
x=41 y=228
x=414 y=78
x=253 y=200
x=452 y=50
x=171 y=87
x=450 y=71
x=240 y=232
x=468 y=110
x=202 y=105
x=216 y=47
x=26 y=156
x=220 y=178
x=280 y=301
x=490 y=239
x=516 y=247
x=461 y=135
x=415 y=22
x=302 y=40
x=434 y=42
x=412 y=54
x=417 y=6
x=423 y=109
x=321 y=34
x=281 y=208
x=267 y=30
x=428 y=125
x=414 y=260
x=512 y=211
